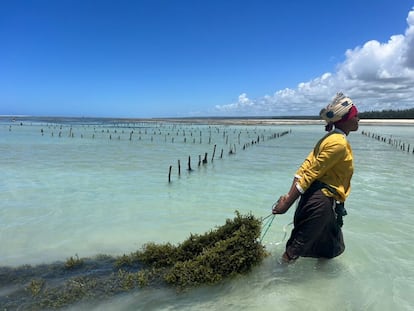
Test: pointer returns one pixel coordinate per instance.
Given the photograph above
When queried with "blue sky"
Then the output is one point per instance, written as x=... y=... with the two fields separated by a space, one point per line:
x=164 y=58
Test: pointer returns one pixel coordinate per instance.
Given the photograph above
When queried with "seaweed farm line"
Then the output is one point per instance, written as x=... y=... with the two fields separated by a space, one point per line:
x=395 y=142
x=201 y=259
x=79 y=193
x=154 y=132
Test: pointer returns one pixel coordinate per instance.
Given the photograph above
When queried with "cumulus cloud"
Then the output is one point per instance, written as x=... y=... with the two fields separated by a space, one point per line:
x=376 y=75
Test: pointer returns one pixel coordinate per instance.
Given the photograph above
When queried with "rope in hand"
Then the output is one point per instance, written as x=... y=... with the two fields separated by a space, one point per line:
x=269 y=222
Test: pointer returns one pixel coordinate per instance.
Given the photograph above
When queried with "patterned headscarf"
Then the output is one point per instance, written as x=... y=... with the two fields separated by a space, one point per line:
x=337 y=110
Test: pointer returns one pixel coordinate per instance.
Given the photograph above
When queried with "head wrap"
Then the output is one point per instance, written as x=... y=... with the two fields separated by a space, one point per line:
x=351 y=113
x=339 y=110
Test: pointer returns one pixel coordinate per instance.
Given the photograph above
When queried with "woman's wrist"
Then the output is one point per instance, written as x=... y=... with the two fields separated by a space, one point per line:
x=290 y=198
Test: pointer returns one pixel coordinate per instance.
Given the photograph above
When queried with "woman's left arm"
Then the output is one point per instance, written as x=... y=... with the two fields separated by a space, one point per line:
x=287 y=200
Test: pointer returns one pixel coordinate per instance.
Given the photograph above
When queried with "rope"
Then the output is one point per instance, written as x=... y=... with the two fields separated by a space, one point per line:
x=269 y=222
x=268 y=216
x=267 y=225
x=285 y=231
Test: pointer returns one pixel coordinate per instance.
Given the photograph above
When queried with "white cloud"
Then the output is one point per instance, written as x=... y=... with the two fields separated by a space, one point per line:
x=242 y=104
x=376 y=76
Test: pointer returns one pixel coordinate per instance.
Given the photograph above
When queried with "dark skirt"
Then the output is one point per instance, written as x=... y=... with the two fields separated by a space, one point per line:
x=316 y=232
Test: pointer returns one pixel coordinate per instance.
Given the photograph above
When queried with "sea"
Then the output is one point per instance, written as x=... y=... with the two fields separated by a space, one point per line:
x=83 y=187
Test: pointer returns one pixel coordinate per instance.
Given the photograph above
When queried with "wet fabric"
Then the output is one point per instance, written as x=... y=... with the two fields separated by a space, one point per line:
x=316 y=232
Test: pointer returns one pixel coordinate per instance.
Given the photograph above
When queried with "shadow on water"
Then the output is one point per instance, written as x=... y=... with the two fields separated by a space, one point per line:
x=61 y=283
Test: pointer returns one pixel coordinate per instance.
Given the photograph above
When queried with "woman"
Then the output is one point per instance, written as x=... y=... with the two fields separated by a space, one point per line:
x=323 y=183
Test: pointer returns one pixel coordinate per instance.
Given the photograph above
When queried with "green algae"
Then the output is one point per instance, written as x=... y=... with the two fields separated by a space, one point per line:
x=206 y=259
x=203 y=259
x=72 y=262
x=36 y=286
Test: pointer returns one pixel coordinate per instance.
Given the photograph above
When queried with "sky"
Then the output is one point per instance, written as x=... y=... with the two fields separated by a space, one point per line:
x=193 y=58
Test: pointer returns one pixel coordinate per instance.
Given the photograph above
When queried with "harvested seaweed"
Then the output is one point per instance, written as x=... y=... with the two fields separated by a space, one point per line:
x=226 y=251
x=203 y=259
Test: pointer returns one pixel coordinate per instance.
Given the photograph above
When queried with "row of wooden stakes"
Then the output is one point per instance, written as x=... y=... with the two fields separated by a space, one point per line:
x=397 y=143
x=232 y=151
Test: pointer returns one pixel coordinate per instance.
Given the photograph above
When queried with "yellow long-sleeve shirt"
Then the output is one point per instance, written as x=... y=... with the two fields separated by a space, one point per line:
x=331 y=162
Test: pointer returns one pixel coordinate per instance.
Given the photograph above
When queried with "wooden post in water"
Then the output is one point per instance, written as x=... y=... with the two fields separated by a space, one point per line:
x=169 y=174
x=205 y=158
x=214 y=152
x=179 y=168
x=189 y=164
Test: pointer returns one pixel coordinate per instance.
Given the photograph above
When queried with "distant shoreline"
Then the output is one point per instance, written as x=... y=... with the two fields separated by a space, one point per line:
x=273 y=121
x=387 y=121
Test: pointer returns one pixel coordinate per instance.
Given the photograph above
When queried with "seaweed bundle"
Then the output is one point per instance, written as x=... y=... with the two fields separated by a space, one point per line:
x=204 y=259
x=226 y=251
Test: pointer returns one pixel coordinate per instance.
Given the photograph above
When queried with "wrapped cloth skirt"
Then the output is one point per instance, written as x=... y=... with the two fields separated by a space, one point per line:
x=316 y=232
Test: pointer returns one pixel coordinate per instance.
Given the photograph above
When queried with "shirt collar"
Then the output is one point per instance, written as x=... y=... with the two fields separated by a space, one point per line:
x=339 y=131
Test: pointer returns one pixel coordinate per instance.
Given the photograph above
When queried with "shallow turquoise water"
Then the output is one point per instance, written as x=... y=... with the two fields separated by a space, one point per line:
x=102 y=192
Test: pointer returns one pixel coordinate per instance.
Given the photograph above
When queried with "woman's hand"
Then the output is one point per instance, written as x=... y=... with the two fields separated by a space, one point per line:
x=282 y=205
x=286 y=201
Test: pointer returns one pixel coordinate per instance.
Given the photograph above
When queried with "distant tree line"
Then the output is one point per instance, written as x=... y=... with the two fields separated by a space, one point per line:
x=388 y=114
x=383 y=114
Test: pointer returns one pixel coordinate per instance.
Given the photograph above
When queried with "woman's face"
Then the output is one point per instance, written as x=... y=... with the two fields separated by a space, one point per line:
x=353 y=123
x=350 y=125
